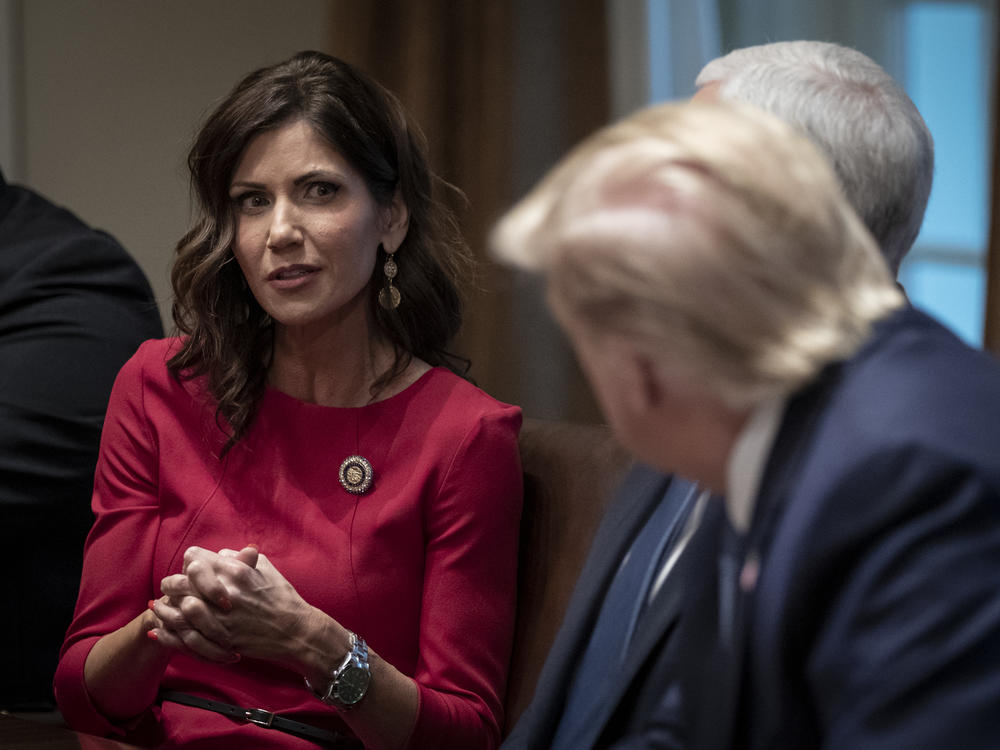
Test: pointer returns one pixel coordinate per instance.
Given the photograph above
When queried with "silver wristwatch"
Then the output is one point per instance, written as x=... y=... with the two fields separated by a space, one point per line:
x=348 y=681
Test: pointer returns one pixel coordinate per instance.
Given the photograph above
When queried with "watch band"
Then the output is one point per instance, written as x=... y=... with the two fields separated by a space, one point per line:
x=355 y=666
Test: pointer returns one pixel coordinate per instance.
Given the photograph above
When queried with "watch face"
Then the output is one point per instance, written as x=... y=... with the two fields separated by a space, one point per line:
x=352 y=684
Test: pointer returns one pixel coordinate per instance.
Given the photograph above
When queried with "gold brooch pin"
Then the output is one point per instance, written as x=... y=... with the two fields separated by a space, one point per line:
x=356 y=475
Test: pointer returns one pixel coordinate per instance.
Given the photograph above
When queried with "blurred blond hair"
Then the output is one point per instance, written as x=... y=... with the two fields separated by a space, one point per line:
x=716 y=238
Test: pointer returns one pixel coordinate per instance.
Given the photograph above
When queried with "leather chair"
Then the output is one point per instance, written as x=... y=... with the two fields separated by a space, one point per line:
x=570 y=474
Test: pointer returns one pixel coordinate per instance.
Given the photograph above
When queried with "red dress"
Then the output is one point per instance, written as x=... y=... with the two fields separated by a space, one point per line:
x=423 y=566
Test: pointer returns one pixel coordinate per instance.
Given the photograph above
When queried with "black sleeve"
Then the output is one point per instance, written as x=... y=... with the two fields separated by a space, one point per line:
x=74 y=307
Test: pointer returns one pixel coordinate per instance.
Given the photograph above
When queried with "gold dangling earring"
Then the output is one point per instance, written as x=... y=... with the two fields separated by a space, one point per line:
x=388 y=296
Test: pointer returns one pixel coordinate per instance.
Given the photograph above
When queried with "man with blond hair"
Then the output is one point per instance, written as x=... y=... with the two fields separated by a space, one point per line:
x=740 y=327
x=883 y=155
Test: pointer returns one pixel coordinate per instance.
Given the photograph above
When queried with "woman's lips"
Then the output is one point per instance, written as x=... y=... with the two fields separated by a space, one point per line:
x=291 y=277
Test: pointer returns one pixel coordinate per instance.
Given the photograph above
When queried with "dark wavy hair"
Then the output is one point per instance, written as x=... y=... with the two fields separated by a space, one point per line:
x=227 y=336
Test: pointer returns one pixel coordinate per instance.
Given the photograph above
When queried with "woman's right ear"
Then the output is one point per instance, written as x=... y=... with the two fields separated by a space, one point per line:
x=397 y=217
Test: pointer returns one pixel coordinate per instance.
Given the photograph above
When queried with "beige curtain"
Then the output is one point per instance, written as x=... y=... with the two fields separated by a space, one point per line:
x=501 y=88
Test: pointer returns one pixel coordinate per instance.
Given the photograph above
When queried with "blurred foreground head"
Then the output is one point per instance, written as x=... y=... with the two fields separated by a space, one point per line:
x=710 y=243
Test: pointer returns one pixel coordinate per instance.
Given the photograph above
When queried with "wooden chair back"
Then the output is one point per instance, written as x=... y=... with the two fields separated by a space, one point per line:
x=570 y=473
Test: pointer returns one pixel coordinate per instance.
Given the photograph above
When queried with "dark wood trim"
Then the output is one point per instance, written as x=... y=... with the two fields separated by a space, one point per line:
x=991 y=332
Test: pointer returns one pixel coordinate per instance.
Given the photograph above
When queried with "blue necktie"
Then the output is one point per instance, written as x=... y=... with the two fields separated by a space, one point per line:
x=619 y=614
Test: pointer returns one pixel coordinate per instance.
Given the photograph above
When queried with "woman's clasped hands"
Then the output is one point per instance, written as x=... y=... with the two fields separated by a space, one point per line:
x=228 y=604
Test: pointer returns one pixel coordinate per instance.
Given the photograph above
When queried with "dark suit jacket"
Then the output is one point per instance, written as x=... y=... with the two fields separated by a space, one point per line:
x=645 y=675
x=73 y=307
x=874 y=620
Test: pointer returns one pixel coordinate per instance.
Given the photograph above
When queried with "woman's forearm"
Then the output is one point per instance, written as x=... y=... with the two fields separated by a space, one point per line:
x=123 y=669
x=385 y=717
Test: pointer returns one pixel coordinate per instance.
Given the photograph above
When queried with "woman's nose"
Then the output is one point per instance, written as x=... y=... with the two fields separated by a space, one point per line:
x=284 y=230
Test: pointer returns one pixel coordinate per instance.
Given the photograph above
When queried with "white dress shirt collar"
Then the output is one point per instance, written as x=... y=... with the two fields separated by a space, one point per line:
x=748 y=459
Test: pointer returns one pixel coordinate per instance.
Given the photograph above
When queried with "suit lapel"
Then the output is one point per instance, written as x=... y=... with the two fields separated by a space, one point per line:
x=655 y=624
x=792 y=447
x=720 y=671
x=661 y=615
x=635 y=500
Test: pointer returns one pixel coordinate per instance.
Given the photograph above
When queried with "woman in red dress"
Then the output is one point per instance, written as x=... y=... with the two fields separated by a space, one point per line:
x=306 y=521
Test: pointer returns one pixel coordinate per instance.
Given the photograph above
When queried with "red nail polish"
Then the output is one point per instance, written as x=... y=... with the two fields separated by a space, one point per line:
x=151 y=634
x=150 y=603
x=225 y=605
x=254 y=545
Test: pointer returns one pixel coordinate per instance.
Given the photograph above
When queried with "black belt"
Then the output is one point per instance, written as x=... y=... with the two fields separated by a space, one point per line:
x=263 y=718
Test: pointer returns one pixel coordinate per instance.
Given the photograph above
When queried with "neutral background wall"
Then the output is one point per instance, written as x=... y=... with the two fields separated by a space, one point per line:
x=113 y=91
x=99 y=100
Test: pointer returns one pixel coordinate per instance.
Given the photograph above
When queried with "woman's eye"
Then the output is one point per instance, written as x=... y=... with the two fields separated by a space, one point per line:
x=250 y=203
x=321 y=189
